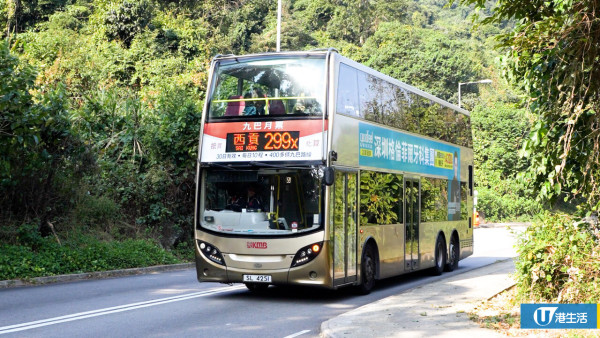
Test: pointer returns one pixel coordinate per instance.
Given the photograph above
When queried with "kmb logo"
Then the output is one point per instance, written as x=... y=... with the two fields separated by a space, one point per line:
x=256 y=245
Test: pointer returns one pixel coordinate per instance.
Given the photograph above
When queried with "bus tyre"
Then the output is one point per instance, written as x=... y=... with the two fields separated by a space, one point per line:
x=367 y=271
x=257 y=287
x=440 y=256
x=454 y=253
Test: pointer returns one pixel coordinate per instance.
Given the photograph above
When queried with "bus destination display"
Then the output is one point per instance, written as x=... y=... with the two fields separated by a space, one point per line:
x=262 y=141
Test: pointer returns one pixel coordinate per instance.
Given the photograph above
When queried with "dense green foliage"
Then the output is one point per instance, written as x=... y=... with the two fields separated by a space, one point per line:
x=35 y=256
x=38 y=148
x=552 y=55
x=498 y=132
x=101 y=100
x=439 y=64
x=559 y=260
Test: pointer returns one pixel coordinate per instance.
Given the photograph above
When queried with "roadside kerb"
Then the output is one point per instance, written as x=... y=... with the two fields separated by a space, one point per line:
x=93 y=275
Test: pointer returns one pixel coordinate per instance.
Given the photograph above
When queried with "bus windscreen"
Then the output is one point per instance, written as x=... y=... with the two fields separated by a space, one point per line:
x=262 y=202
x=283 y=86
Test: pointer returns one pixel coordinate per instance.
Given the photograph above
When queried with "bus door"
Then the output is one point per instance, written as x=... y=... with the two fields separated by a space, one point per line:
x=411 y=221
x=344 y=235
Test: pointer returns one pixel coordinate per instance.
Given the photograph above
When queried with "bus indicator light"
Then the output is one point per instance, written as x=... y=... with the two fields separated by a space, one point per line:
x=211 y=253
x=306 y=254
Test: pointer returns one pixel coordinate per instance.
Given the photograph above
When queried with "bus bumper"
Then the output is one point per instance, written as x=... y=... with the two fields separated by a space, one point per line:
x=316 y=272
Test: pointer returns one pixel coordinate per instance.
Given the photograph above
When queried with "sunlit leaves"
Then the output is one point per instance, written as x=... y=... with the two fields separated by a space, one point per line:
x=425 y=58
x=552 y=55
x=127 y=19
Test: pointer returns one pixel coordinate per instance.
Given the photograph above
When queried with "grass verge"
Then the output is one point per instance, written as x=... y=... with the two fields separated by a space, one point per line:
x=502 y=313
x=45 y=257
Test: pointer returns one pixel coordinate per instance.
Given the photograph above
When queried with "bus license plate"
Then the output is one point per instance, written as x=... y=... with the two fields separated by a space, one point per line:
x=257 y=278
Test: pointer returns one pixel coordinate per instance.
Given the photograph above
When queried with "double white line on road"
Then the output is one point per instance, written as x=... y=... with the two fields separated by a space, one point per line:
x=115 y=309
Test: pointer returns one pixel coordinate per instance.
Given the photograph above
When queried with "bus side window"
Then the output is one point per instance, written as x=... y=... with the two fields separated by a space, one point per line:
x=347 y=102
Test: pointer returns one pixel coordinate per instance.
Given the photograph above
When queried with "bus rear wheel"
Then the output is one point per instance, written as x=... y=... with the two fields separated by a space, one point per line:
x=440 y=256
x=368 y=269
x=454 y=254
x=256 y=287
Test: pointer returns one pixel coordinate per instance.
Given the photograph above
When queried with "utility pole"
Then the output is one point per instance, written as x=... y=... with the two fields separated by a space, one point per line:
x=278 y=25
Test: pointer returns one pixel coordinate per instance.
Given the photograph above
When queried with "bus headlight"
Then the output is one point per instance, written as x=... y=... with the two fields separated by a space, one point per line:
x=210 y=252
x=307 y=254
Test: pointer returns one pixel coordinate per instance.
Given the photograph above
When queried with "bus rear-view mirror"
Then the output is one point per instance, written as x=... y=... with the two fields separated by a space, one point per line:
x=328 y=176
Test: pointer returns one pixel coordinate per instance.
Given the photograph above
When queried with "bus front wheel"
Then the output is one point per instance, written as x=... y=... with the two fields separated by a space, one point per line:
x=368 y=269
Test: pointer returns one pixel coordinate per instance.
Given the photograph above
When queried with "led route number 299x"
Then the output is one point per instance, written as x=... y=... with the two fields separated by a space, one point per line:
x=276 y=141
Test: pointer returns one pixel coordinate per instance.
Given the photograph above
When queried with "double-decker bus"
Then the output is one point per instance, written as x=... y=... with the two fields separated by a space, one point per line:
x=316 y=170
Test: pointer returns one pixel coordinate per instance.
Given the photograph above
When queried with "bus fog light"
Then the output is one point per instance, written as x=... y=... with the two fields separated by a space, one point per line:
x=312 y=275
x=205 y=272
x=306 y=254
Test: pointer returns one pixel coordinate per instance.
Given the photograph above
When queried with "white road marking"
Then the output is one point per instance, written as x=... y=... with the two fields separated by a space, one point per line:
x=109 y=310
x=297 y=334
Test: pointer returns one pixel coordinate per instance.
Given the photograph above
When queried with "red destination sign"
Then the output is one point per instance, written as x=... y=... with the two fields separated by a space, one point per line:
x=262 y=141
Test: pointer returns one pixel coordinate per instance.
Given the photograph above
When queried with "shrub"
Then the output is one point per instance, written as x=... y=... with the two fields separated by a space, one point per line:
x=44 y=257
x=506 y=205
x=96 y=212
x=127 y=19
x=40 y=152
x=559 y=260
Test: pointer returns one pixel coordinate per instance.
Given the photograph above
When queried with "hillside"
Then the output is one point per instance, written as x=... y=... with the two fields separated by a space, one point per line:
x=102 y=102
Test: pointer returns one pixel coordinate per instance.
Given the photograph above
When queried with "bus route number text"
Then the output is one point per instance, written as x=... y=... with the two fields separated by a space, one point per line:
x=262 y=141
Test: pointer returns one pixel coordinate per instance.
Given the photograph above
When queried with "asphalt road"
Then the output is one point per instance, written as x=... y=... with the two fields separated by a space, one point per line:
x=175 y=304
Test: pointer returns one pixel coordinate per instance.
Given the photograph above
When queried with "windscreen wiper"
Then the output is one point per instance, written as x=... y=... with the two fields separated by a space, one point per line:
x=215 y=164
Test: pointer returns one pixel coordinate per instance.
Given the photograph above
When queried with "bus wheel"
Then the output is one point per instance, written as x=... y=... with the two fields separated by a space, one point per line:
x=454 y=254
x=368 y=269
x=440 y=256
x=257 y=287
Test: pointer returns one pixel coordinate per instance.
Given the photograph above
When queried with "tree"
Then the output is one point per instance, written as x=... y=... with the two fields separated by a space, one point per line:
x=20 y=15
x=552 y=54
x=38 y=149
x=425 y=58
x=128 y=19
x=498 y=132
